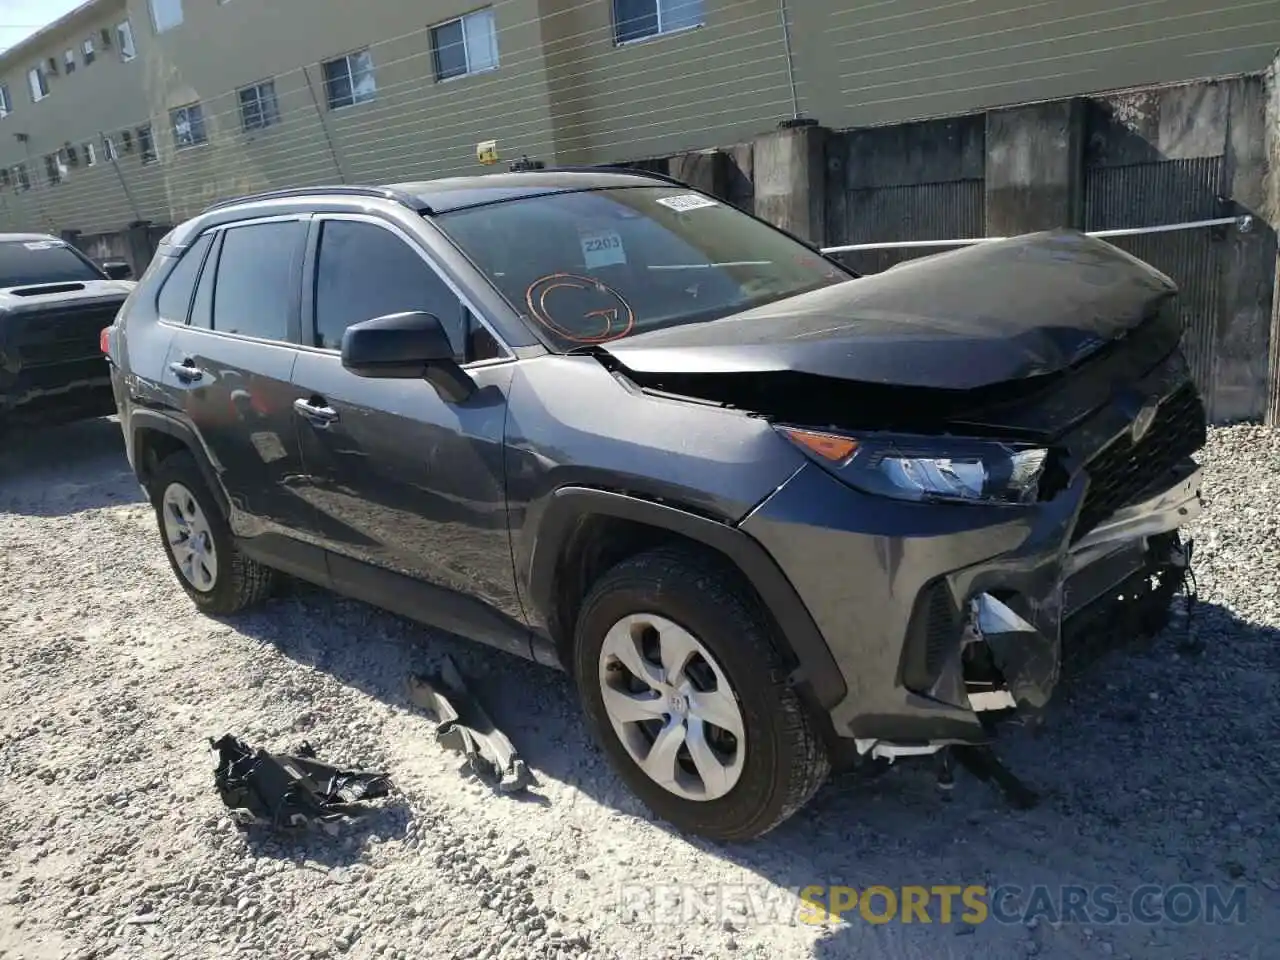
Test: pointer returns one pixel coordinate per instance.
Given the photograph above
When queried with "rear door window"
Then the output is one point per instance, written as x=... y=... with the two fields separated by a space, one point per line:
x=175 y=296
x=258 y=279
x=202 y=306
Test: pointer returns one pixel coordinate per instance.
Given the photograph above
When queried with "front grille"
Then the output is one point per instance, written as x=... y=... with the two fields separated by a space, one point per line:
x=1123 y=471
x=61 y=336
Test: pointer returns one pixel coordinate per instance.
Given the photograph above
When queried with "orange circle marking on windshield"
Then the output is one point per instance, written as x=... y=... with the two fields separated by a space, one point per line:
x=536 y=299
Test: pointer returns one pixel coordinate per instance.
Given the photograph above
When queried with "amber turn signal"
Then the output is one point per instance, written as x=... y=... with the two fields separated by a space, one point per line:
x=826 y=445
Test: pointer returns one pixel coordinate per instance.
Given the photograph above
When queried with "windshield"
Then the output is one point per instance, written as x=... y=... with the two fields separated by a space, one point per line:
x=592 y=267
x=25 y=263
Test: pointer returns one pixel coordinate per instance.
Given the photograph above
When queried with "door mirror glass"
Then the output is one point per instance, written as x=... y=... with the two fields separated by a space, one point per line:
x=400 y=345
x=118 y=270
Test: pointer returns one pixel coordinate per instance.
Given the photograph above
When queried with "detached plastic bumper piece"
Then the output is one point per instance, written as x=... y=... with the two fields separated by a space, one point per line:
x=464 y=727
x=290 y=791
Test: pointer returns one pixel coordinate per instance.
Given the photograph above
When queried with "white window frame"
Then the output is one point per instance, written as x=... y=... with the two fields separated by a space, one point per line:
x=171 y=7
x=37 y=83
x=6 y=101
x=272 y=120
x=467 y=18
x=150 y=131
x=108 y=149
x=21 y=178
x=90 y=153
x=345 y=59
x=69 y=63
x=124 y=41
x=663 y=30
x=55 y=168
x=178 y=143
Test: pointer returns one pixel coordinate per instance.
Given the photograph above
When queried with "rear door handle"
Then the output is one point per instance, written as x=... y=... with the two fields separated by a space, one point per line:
x=186 y=371
x=316 y=411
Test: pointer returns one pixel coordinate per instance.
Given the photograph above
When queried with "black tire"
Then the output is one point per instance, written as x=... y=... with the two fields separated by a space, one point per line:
x=240 y=582
x=785 y=762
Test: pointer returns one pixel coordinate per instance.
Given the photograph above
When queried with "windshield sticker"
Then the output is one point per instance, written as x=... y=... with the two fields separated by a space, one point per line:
x=43 y=245
x=602 y=248
x=579 y=309
x=687 y=201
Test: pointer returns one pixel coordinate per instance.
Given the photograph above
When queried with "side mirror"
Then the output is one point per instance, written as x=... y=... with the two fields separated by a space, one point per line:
x=406 y=346
x=118 y=270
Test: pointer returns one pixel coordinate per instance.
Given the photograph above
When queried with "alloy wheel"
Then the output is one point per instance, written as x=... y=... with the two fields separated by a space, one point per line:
x=672 y=707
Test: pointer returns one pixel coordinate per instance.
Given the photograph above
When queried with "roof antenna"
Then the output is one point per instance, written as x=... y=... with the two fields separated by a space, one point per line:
x=524 y=163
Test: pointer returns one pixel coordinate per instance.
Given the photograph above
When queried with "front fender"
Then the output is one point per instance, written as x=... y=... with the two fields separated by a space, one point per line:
x=568 y=506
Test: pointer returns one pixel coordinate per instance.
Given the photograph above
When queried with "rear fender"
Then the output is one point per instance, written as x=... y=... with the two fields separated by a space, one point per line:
x=141 y=422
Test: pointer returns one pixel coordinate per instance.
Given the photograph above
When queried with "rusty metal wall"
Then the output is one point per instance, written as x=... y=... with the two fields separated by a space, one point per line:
x=923 y=211
x=1165 y=192
x=915 y=181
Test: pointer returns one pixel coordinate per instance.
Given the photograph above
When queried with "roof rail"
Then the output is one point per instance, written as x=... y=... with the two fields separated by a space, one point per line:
x=345 y=190
x=619 y=168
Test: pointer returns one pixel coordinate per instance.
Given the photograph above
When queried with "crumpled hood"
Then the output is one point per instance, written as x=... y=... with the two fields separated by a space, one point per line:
x=975 y=317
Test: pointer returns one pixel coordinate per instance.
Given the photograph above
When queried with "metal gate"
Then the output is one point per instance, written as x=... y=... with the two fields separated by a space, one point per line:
x=1165 y=192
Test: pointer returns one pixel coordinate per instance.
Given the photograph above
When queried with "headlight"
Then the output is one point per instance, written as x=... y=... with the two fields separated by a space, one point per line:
x=928 y=468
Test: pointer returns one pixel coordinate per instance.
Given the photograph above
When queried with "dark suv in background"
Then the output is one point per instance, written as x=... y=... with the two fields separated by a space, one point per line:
x=761 y=510
x=54 y=302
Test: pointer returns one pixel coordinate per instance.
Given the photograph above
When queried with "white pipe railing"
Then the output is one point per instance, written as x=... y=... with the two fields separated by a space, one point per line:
x=1244 y=224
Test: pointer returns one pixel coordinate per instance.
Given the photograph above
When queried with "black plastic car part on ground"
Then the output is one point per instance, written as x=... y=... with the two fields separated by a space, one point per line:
x=769 y=515
x=54 y=304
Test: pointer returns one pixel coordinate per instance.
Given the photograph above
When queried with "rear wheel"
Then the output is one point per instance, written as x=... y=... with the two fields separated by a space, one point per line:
x=684 y=687
x=197 y=540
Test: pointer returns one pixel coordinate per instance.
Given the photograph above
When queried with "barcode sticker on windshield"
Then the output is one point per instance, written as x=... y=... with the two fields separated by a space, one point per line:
x=687 y=201
x=602 y=248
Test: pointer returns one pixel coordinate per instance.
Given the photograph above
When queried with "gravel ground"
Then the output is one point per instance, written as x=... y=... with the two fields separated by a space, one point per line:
x=1158 y=765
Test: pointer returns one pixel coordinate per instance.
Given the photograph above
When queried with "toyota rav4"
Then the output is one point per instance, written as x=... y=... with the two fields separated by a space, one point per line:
x=766 y=513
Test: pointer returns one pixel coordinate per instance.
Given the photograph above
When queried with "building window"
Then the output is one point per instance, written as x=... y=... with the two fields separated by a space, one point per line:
x=69 y=60
x=466 y=45
x=6 y=179
x=638 y=19
x=6 y=102
x=20 y=175
x=90 y=154
x=166 y=14
x=89 y=54
x=124 y=35
x=188 y=126
x=38 y=83
x=54 y=169
x=108 y=149
x=258 y=107
x=147 y=143
x=349 y=80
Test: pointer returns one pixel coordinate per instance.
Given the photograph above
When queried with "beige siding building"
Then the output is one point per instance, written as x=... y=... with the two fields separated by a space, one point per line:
x=128 y=110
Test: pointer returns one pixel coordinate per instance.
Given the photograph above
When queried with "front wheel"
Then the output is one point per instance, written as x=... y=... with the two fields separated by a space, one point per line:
x=685 y=689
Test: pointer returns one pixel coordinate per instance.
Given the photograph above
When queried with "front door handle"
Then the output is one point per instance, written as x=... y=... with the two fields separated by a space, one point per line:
x=186 y=371
x=316 y=411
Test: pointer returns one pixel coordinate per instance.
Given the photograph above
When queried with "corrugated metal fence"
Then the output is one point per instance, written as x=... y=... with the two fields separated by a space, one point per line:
x=1170 y=191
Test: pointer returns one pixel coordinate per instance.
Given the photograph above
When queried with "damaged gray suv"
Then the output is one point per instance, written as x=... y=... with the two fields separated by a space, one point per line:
x=768 y=514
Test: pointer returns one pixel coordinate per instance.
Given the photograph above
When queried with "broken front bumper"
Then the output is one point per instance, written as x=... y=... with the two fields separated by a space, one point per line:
x=901 y=592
